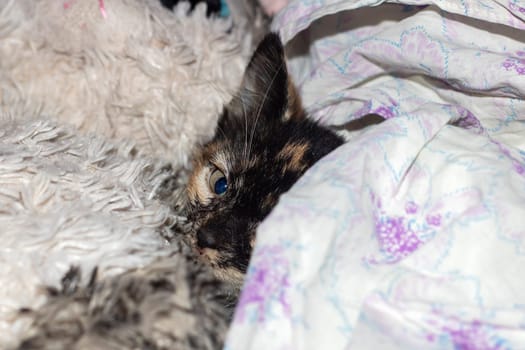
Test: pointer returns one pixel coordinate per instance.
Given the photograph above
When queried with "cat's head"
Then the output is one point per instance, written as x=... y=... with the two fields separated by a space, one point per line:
x=262 y=145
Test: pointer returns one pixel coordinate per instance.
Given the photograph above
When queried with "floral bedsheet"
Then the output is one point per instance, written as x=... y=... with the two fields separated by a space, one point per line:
x=412 y=234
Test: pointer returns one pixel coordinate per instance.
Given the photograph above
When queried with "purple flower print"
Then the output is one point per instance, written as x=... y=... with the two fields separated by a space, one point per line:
x=266 y=283
x=468 y=120
x=434 y=220
x=411 y=208
x=473 y=335
x=518 y=165
x=514 y=7
x=400 y=235
x=396 y=239
x=516 y=64
x=385 y=112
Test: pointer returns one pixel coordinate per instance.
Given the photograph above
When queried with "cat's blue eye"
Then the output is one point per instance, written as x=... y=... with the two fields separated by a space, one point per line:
x=218 y=182
x=221 y=185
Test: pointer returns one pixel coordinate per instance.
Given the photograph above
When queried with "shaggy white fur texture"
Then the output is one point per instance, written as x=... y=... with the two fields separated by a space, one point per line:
x=121 y=68
x=151 y=80
x=70 y=200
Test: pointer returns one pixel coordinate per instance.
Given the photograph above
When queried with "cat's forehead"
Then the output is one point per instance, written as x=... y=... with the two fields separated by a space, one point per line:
x=230 y=156
x=276 y=148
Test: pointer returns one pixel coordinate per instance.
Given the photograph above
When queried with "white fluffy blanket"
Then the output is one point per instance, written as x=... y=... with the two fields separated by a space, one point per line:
x=69 y=200
x=411 y=235
x=74 y=74
x=123 y=69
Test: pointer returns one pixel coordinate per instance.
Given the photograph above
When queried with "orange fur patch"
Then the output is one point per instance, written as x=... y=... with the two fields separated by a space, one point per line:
x=198 y=188
x=294 y=110
x=293 y=153
x=230 y=274
x=269 y=201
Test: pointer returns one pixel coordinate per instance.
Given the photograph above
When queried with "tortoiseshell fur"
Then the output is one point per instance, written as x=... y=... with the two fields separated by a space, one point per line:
x=263 y=144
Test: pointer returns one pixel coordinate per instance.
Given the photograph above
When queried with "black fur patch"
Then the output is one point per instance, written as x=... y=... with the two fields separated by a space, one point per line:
x=212 y=6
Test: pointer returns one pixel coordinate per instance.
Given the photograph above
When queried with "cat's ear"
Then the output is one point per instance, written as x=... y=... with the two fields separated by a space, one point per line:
x=264 y=91
x=294 y=109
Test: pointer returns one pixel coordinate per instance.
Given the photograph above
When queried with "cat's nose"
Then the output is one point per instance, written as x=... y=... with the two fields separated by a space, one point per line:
x=206 y=238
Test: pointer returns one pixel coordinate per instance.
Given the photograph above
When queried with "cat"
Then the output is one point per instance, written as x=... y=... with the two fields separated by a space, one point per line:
x=264 y=142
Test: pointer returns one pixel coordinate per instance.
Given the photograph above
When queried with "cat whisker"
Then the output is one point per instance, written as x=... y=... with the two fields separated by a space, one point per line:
x=245 y=155
x=261 y=104
x=222 y=131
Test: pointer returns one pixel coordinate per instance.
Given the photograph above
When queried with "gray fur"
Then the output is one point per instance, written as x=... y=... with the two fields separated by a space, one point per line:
x=174 y=303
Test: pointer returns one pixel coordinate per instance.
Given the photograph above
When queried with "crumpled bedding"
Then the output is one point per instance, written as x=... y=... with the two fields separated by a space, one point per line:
x=412 y=234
